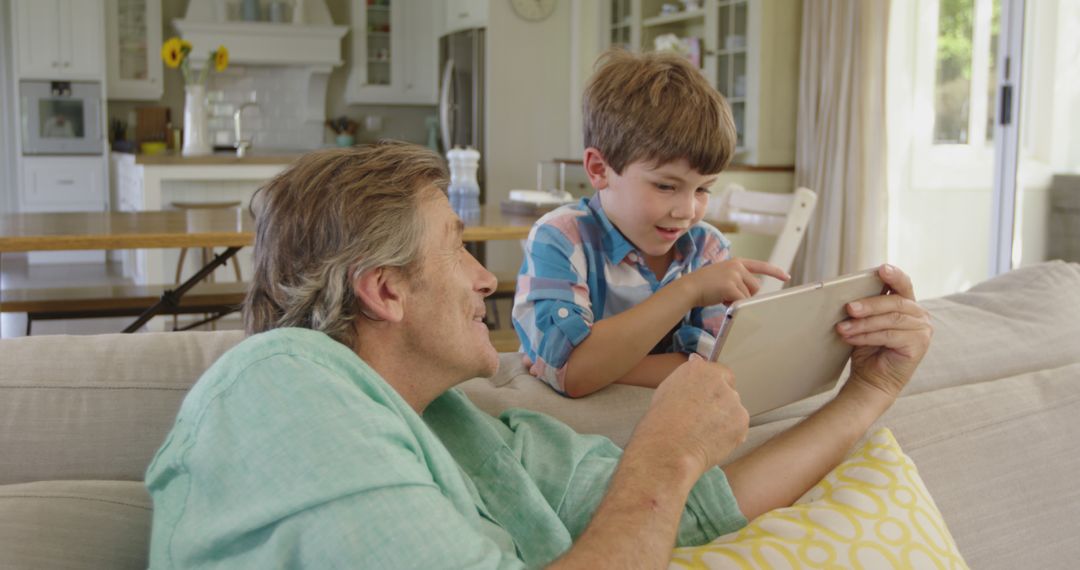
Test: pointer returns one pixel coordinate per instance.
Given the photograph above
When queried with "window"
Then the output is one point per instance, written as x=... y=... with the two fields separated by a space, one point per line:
x=967 y=39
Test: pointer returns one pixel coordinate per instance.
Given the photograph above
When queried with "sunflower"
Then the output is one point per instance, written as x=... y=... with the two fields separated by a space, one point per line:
x=173 y=52
x=221 y=59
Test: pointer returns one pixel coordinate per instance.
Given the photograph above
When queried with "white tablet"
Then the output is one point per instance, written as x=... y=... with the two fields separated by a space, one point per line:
x=783 y=346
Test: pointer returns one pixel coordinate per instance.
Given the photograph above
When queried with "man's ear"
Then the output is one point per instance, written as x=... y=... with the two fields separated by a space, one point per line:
x=596 y=168
x=381 y=292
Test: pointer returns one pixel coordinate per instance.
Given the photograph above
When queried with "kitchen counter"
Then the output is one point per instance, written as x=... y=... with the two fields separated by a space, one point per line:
x=155 y=182
x=254 y=157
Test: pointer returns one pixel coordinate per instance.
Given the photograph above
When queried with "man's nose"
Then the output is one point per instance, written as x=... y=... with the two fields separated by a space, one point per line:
x=486 y=281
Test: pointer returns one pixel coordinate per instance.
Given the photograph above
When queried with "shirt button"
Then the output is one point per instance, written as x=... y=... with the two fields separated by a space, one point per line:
x=563 y=313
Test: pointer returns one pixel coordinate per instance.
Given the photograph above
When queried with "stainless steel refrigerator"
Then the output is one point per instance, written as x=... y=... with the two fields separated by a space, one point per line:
x=461 y=94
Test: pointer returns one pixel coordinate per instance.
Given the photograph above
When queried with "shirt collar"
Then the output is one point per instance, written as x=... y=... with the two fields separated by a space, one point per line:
x=617 y=247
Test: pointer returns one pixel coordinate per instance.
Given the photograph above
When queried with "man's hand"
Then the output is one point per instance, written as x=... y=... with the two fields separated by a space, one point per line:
x=695 y=413
x=694 y=421
x=891 y=334
x=730 y=280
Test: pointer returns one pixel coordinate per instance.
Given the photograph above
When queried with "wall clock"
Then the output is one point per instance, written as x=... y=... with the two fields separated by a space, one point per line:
x=533 y=10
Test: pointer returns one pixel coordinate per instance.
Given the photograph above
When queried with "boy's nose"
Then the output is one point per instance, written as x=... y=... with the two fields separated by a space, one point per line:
x=684 y=208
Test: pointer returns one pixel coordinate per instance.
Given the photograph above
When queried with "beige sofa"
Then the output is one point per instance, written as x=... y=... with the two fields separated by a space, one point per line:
x=992 y=420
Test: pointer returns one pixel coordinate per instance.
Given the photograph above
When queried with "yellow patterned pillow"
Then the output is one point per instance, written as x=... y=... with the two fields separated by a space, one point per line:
x=872 y=511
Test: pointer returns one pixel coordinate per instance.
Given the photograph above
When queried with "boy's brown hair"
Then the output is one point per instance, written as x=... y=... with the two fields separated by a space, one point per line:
x=658 y=108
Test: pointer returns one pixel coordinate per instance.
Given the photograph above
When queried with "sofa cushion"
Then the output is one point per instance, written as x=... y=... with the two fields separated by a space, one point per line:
x=1000 y=458
x=871 y=511
x=95 y=407
x=74 y=524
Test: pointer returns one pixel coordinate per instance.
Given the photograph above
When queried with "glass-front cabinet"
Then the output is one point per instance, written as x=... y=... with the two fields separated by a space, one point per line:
x=378 y=23
x=624 y=25
x=134 y=49
x=730 y=60
x=394 y=52
x=733 y=43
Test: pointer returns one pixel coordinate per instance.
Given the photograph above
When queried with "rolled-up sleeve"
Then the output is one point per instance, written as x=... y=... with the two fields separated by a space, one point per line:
x=573 y=472
x=552 y=311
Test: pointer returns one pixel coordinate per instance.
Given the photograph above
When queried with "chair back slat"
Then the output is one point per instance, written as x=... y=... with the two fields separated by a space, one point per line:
x=782 y=215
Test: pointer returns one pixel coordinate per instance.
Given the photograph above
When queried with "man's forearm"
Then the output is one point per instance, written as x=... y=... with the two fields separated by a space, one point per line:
x=636 y=524
x=776 y=474
x=617 y=344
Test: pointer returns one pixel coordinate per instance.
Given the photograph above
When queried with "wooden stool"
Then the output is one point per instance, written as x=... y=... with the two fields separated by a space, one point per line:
x=206 y=253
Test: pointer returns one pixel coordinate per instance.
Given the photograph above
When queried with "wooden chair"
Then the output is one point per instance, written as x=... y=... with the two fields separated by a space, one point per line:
x=782 y=215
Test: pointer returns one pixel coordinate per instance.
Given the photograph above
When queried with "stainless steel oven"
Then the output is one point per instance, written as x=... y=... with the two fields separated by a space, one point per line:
x=61 y=117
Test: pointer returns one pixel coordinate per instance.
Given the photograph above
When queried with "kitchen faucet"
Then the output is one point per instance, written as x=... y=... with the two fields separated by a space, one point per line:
x=242 y=145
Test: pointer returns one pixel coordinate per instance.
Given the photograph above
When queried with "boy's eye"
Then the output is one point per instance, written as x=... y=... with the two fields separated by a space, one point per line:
x=663 y=186
x=704 y=191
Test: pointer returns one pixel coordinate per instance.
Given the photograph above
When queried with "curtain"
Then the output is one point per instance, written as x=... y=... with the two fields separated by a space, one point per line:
x=840 y=150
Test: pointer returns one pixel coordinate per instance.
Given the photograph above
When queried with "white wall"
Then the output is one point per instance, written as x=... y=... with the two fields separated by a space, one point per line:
x=528 y=114
x=8 y=124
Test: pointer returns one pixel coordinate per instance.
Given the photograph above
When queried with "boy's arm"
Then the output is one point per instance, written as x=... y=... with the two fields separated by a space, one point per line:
x=617 y=345
x=652 y=369
x=617 y=348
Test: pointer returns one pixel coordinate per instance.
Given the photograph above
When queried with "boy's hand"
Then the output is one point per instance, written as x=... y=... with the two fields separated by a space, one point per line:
x=730 y=280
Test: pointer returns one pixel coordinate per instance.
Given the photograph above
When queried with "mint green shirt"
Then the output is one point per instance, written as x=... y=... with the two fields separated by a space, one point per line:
x=292 y=452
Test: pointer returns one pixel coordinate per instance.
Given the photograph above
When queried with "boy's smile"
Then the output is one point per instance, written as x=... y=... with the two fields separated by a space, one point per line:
x=653 y=205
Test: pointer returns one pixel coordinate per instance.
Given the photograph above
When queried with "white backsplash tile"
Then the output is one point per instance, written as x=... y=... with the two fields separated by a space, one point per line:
x=280 y=120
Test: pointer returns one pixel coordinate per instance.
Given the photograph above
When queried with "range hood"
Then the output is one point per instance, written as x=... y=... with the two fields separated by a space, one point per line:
x=315 y=42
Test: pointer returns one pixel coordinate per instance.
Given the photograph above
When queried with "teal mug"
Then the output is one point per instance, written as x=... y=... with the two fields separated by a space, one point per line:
x=345 y=140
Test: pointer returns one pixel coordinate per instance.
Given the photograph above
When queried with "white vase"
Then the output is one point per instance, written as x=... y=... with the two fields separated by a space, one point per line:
x=196 y=136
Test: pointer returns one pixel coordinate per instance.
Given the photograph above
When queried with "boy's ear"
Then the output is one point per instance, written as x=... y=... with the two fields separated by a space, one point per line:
x=596 y=168
x=381 y=292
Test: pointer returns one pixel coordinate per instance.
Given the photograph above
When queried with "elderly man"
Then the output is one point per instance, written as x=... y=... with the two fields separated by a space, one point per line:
x=332 y=437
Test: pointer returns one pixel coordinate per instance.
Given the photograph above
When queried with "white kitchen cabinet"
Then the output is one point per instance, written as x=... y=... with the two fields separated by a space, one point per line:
x=749 y=51
x=394 y=52
x=465 y=14
x=134 y=49
x=63 y=184
x=60 y=39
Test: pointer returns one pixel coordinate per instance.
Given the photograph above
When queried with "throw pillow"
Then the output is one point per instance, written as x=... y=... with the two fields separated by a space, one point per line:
x=871 y=511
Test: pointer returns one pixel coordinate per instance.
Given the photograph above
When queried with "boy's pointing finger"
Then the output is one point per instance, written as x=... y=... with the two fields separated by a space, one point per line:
x=765 y=268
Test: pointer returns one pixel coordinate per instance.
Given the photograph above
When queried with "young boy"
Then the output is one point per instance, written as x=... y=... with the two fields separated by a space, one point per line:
x=624 y=286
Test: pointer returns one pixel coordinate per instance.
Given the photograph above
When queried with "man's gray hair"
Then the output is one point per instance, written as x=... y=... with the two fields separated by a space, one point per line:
x=333 y=215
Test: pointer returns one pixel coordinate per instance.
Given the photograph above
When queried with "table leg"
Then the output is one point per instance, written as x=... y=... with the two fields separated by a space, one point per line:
x=171 y=298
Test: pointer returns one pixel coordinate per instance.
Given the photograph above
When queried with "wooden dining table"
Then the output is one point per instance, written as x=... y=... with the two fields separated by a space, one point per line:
x=232 y=229
x=207 y=228
x=175 y=228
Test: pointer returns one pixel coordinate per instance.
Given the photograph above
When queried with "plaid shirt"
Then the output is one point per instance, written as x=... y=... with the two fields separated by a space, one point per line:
x=579 y=269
